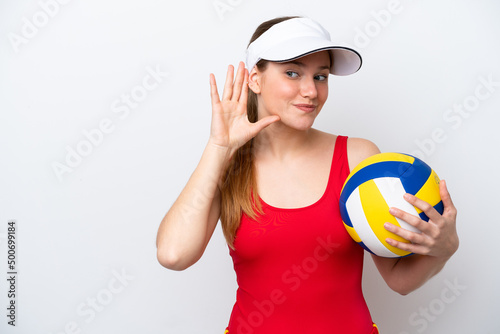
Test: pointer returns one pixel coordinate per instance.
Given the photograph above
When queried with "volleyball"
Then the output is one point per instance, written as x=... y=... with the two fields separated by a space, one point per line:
x=378 y=183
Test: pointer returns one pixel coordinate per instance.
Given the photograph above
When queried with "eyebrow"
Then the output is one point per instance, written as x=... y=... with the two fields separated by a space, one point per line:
x=300 y=64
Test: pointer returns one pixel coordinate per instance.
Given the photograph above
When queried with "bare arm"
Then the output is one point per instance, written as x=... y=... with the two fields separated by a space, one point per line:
x=189 y=224
x=433 y=247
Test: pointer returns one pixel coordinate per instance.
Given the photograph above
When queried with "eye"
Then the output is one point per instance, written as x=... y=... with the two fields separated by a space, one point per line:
x=292 y=74
x=321 y=77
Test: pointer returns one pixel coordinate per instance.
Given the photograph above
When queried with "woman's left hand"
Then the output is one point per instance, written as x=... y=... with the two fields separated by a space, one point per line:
x=439 y=235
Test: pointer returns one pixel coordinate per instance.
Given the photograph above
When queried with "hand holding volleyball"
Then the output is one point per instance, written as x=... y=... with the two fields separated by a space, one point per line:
x=438 y=235
x=230 y=125
x=385 y=223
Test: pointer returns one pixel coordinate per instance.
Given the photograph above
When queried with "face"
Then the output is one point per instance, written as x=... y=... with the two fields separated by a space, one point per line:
x=295 y=90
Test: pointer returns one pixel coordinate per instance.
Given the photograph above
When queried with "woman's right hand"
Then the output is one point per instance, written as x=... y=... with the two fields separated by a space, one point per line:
x=230 y=127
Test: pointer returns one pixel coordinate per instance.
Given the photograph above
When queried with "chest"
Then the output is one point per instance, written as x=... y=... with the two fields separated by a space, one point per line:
x=299 y=231
x=295 y=183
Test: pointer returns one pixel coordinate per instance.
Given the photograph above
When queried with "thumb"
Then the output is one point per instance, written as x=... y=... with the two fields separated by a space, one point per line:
x=264 y=122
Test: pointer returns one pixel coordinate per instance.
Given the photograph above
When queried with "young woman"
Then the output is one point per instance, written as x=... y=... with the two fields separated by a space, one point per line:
x=274 y=182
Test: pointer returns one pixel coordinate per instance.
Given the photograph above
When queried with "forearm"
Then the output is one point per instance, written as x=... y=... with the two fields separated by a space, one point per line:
x=186 y=228
x=414 y=271
x=407 y=274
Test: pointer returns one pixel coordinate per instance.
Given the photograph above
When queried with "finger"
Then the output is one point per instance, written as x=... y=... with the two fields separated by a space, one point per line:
x=412 y=220
x=409 y=247
x=244 y=91
x=428 y=209
x=238 y=83
x=449 y=207
x=413 y=237
x=214 y=94
x=228 y=86
x=263 y=123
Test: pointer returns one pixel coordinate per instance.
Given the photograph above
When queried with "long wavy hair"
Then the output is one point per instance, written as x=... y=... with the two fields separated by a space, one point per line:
x=239 y=187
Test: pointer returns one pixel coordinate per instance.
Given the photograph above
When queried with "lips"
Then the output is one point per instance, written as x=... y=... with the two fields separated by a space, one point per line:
x=306 y=107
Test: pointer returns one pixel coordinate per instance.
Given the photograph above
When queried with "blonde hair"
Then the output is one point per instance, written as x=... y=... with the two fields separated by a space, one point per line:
x=239 y=187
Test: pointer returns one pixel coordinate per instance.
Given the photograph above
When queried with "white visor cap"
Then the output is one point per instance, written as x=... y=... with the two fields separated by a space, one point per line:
x=298 y=37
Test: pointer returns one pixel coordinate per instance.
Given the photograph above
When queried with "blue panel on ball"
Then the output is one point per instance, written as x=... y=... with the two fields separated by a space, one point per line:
x=366 y=248
x=423 y=216
x=439 y=208
x=379 y=169
x=344 y=214
x=415 y=176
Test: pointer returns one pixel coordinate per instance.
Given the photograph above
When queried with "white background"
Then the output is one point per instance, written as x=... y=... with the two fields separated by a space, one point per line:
x=80 y=231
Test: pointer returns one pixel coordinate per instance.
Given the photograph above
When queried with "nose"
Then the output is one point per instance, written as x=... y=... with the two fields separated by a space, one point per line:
x=308 y=87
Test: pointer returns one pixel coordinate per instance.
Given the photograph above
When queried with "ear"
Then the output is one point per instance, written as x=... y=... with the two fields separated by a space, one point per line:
x=254 y=80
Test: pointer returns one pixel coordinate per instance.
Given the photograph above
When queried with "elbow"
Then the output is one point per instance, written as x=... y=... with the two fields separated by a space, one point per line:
x=171 y=260
x=403 y=292
x=402 y=289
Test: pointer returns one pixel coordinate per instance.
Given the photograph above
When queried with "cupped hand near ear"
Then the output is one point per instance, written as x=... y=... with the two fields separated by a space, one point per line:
x=230 y=126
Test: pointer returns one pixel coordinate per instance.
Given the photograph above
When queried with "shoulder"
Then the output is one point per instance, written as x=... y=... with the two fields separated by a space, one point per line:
x=359 y=149
x=322 y=140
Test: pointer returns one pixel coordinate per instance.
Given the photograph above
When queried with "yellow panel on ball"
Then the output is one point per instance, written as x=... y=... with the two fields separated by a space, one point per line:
x=377 y=212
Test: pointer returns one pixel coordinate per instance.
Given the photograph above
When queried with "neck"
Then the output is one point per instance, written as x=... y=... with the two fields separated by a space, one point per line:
x=282 y=142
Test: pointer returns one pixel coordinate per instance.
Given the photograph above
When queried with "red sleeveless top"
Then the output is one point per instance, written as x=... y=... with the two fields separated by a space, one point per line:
x=298 y=270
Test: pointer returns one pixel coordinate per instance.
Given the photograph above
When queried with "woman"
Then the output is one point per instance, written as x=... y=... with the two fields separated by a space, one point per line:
x=274 y=182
